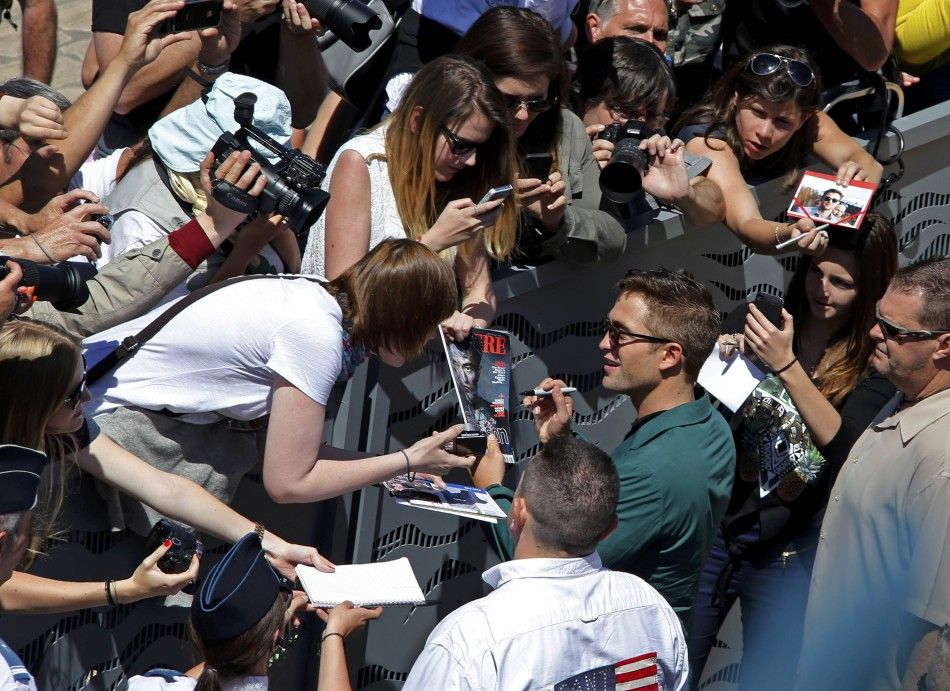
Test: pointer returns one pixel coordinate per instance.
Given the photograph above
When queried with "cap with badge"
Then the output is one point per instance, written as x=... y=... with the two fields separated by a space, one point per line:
x=20 y=470
x=237 y=593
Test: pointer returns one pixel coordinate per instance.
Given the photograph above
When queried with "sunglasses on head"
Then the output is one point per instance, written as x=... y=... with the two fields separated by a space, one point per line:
x=458 y=145
x=894 y=332
x=799 y=72
x=533 y=105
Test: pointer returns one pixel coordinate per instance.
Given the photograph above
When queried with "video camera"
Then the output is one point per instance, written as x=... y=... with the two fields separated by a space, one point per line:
x=291 y=188
x=622 y=177
x=63 y=284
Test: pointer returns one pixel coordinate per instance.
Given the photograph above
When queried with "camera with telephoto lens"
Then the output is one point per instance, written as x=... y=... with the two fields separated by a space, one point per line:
x=349 y=20
x=292 y=183
x=622 y=177
x=63 y=284
x=185 y=544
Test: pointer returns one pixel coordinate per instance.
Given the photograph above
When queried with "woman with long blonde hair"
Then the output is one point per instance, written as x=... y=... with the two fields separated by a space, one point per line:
x=419 y=176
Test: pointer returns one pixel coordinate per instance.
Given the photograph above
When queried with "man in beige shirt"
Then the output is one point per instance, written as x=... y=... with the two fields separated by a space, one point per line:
x=880 y=589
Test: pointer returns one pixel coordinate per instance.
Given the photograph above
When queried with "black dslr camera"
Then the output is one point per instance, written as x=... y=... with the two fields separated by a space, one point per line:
x=63 y=284
x=291 y=188
x=349 y=20
x=185 y=544
x=622 y=177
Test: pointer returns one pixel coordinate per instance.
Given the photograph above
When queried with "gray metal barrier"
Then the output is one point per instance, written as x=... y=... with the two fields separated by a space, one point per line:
x=554 y=313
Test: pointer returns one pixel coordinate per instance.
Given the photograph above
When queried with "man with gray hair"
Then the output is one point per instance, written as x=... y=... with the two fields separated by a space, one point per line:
x=557 y=618
x=880 y=590
x=644 y=19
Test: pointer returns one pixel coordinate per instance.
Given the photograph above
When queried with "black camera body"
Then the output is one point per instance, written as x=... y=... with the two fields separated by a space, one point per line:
x=196 y=14
x=292 y=183
x=185 y=544
x=622 y=178
x=63 y=284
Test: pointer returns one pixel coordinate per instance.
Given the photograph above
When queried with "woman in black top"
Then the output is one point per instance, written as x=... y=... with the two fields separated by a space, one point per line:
x=792 y=435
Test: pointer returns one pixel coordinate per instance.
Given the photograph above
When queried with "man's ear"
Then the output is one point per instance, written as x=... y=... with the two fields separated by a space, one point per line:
x=672 y=360
x=415 y=119
x=592 y=22
x=518 y=516
x=941 y=354
x=611 y=527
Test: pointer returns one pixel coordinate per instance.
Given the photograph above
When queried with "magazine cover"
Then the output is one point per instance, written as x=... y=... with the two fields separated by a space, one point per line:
x=460 y=500
x=481 y=371
x=821 y=199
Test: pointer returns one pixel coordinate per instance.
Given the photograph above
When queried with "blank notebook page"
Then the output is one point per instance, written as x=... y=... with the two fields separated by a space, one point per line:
x=366 y=585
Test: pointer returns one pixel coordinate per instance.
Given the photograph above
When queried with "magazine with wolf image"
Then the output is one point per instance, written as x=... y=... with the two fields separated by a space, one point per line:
x=481 y=371
x=460 y=500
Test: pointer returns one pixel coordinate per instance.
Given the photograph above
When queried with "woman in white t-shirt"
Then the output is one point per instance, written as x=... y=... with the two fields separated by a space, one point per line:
x=190 y=399
x=419 y=175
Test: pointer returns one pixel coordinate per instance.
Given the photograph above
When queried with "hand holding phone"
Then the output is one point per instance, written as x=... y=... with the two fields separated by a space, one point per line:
x=494 y=194
x=771 y=307
x=196 y=14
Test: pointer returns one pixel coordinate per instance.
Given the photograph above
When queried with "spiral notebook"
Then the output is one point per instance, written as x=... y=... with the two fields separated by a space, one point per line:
x=365 y=585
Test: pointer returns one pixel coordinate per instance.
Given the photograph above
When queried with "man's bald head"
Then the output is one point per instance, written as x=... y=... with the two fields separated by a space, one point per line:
x=645 y=19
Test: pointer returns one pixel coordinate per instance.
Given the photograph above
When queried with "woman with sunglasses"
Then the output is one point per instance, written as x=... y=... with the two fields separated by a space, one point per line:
x=792 y=436
x=760 y=122
x=42 y=376
x=419 y=176
x=560 y=208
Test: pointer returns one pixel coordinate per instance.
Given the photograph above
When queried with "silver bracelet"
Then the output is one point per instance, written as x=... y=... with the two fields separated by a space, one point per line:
x=213 y=70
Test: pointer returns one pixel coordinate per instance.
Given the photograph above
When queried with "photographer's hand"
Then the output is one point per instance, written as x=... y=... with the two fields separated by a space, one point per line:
x=429 y=455
x=238 y=169
x=59 y=205
x=666 y=177
x=140 y=43
x=8 y=288
x=297 y=19
x=603 y=148
x=69 y=235
x=218 y=42
x=150 y=581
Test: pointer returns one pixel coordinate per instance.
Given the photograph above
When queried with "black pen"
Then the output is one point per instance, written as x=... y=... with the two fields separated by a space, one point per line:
x=542 y=392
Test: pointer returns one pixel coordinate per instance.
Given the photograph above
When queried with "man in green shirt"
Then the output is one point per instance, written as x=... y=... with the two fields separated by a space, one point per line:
x=677 y=462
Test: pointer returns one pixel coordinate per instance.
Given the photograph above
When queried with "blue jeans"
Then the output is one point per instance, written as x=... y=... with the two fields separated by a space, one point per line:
x=772 y=596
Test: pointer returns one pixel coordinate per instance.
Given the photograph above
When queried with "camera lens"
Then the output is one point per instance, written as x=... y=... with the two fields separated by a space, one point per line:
x=622 y=177
x=350 y=20
x=62 y=284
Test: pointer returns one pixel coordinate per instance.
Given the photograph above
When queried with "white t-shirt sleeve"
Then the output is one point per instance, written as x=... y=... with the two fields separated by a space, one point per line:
x=308 y=352
x=98 y=175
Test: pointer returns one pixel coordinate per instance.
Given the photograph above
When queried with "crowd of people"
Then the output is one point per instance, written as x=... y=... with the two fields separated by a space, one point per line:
x=183 y=286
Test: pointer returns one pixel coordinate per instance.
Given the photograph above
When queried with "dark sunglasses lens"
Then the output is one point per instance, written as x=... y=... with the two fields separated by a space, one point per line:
x=763 y=63
x=539 y=106
x=800 y=73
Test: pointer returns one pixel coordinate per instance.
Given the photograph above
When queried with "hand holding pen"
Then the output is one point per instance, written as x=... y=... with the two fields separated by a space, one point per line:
x=551 y=408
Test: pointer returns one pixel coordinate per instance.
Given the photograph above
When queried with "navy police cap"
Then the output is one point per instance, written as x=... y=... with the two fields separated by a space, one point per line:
x=238 y=592
x=20 y=470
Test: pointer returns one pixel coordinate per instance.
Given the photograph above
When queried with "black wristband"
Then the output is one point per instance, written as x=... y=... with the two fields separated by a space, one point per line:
x=782 y=369
x=109 y=597
x=327 y=635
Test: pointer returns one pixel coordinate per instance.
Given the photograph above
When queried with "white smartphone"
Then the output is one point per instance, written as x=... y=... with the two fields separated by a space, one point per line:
x=500 y=192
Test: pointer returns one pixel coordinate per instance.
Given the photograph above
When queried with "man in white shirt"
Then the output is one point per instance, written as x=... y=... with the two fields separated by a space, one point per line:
x=556 y=614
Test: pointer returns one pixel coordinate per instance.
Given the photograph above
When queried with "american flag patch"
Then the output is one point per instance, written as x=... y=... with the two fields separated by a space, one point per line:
x=639 y=673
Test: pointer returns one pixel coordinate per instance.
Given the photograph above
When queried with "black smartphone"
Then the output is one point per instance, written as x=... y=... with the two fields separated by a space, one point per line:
x=196 y=14
x=539 y=165
x=471 y=443
x=771 y=307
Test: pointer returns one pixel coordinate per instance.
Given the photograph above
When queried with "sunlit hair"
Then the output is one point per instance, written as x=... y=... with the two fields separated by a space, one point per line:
x=239 y=656
x=448 y=91
x=719 y=108
x=521 y=44
x=396 y=296
x=929 y=278
x=626 y=71
x=679 y=308
x=848 y=355
x=37 y=368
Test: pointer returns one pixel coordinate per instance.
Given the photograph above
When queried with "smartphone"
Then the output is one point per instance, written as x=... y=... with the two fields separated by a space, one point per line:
x=470 y=443
x=771 y=307
x=196 y=14
x=539 y=165
x=500 y=192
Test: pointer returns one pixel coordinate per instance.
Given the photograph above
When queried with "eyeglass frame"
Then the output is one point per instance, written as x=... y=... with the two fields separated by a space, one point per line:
x=621 y=112
x=826 y=198
x=532 y=105
x=786 y=62
x=894 y=332
x=614 y=333
x=456 y=143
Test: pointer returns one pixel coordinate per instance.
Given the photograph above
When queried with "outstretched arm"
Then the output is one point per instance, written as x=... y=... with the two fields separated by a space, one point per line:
x=864 y=31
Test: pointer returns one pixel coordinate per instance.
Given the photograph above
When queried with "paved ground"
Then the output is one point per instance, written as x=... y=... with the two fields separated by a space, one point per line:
x=74 y=22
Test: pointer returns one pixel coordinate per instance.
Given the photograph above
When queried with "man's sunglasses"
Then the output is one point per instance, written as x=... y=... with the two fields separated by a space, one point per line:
x=614 y=334
x=799 y=72
x=830 y=199
x=457 y=145
x=534 y=105
x=894 y=332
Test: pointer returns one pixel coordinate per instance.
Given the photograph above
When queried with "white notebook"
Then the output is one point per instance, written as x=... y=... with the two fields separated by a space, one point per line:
x=365 y=585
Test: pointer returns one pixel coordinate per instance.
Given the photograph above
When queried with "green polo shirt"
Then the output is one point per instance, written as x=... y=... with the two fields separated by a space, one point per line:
x=676 y=472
